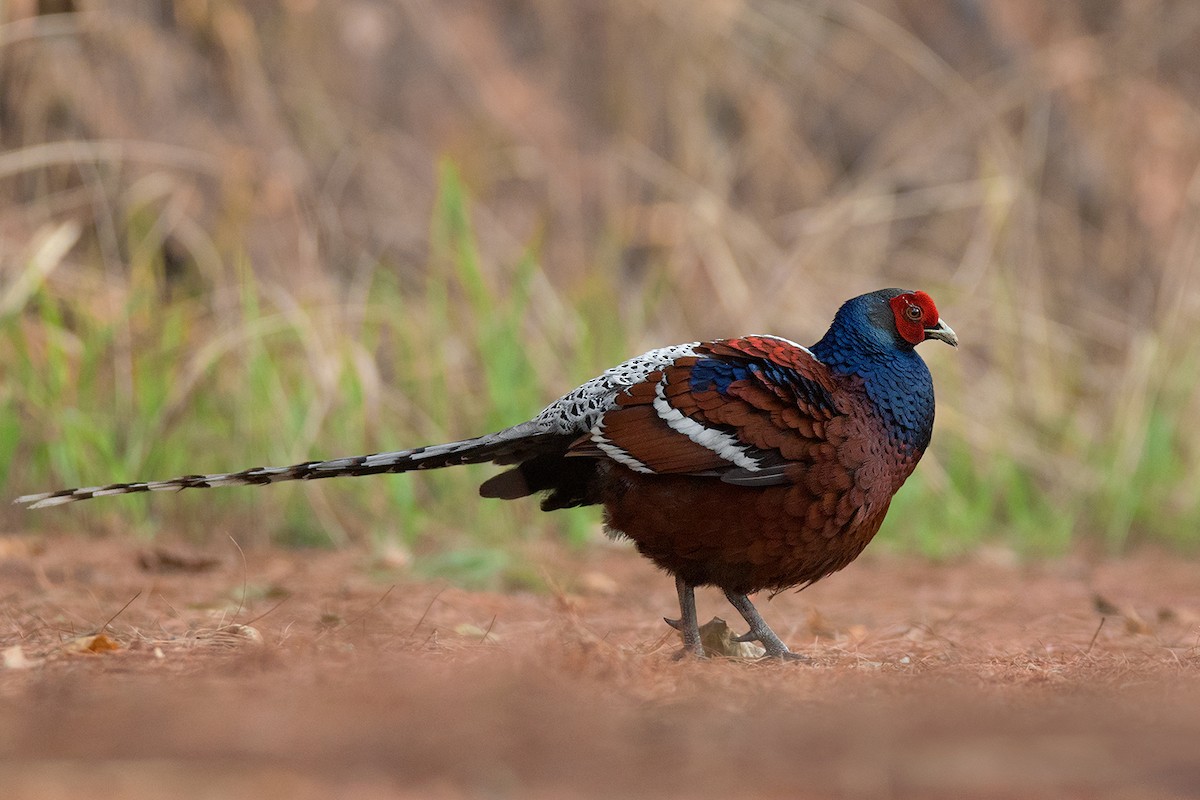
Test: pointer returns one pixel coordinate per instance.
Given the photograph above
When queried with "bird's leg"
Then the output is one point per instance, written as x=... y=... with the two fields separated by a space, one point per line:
x=759 y=630
x=687 y=624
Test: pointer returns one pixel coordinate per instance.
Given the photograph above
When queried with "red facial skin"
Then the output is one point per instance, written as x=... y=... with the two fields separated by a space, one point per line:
x=914 y=312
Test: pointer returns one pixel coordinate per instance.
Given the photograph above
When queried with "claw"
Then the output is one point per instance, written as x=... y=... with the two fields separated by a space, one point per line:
x=677 y=624
x=748 y=636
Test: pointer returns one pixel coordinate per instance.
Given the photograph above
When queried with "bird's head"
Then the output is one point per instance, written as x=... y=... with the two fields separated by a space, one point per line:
x=915 y=319
x=885 y=321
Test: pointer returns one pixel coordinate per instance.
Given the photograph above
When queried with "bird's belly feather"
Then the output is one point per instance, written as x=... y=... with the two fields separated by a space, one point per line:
x=745 y=539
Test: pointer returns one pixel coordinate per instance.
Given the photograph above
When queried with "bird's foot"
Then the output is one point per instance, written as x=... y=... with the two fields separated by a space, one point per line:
x=760 y=631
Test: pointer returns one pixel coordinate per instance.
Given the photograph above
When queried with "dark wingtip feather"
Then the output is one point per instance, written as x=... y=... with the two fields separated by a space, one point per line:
x=508 y=485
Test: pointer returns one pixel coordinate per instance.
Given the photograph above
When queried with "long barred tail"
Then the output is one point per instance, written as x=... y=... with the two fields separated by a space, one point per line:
x=508 y=446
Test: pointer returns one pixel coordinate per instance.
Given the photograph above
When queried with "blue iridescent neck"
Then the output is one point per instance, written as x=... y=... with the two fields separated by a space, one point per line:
x=895 y=378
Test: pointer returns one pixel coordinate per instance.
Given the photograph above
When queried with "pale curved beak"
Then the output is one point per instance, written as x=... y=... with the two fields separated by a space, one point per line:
x=943 y=332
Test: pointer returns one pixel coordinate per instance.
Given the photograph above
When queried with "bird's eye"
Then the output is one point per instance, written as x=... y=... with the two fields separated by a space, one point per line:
x=913 y=312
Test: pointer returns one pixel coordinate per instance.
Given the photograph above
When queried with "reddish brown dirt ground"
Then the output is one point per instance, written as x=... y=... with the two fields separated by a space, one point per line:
x=316 y=674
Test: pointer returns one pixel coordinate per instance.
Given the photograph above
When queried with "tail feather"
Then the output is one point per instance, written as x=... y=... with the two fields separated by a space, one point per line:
x=508 y=446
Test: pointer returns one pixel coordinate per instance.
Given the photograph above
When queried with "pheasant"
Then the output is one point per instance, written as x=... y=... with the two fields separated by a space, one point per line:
x=748 y=464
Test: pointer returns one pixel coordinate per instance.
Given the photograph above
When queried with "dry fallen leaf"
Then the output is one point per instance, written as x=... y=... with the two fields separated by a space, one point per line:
x=720 y=640
x=96 y=643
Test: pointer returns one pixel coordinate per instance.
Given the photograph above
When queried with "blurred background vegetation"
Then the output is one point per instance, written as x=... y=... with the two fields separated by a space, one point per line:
x=244 y=233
